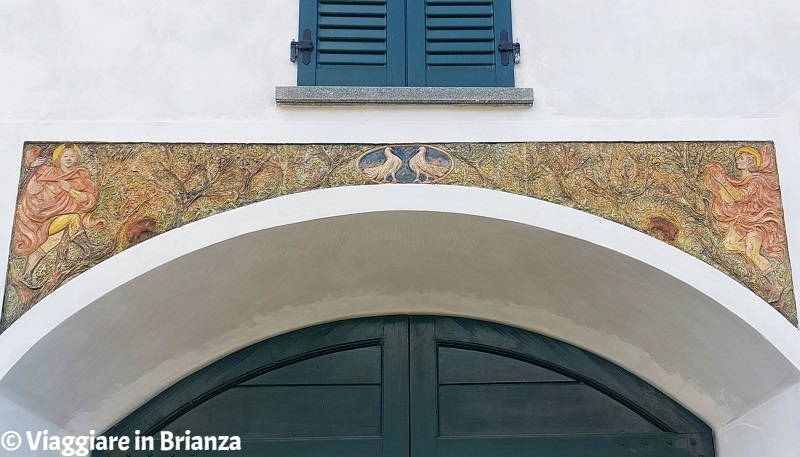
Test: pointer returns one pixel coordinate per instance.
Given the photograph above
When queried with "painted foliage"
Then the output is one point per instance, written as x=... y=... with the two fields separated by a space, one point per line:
x=79 y=204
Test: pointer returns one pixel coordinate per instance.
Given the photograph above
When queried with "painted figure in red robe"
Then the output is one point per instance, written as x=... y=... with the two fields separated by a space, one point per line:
x=748 y=209
x=55 y=207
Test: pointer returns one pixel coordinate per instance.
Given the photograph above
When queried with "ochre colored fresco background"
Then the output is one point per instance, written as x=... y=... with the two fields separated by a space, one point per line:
x=146 y=189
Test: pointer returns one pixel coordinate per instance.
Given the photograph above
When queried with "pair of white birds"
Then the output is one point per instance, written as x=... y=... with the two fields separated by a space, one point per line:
x=418 y=163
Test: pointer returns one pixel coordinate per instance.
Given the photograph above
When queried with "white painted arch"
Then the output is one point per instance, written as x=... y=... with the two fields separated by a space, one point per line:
x=114 y=337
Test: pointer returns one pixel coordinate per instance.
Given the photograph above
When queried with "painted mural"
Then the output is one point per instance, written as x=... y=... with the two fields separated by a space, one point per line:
x=81 y=203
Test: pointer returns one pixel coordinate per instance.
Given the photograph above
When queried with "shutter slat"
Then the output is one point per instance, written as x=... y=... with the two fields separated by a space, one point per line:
x=352 y=34
x=459 y=23
x=378 y=23
x=352 y=2
x=460 y=60
x=462 y=35
x=458 y=2
x=351 y=59
x=352 y=10
x=352 y=47
x=460 y=48
x=462 y=11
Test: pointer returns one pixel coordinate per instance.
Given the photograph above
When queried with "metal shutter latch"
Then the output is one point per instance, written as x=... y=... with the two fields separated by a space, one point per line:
x=507 y=48
x=305 y=46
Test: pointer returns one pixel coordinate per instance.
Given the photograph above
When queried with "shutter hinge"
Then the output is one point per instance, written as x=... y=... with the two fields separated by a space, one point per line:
x=506 y=48
x=305 y=46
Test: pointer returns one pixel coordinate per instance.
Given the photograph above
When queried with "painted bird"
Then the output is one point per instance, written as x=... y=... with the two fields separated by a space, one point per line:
x=420 y=165
x=381 y=172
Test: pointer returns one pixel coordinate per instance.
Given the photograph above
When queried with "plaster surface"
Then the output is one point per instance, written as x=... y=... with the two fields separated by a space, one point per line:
x=768 y=429
x=213 y=60
x=19 y=419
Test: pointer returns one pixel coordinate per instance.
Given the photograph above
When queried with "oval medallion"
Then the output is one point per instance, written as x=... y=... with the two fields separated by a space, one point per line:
x=403 y=164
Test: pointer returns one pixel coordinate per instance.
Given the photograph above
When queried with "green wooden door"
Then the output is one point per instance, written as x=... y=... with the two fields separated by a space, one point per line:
x=423 y=387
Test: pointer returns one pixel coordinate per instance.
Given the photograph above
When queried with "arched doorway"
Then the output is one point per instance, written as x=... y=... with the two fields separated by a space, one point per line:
x=421 y=386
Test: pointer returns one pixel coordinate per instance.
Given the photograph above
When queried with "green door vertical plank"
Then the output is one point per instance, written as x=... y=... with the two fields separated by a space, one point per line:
x=395 y=388
x=424 y=409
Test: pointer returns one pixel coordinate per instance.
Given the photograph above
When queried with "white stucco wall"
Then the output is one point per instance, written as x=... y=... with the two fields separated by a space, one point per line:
x=205 y=70
x=218 y=60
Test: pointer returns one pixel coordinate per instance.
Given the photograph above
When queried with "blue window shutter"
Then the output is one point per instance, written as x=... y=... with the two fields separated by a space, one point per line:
x=453 y=43
x=356 y=43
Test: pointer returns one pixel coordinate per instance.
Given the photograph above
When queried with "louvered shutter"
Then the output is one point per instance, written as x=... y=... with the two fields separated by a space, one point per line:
x=448 y=43
x=455 y=43
x=356 y=43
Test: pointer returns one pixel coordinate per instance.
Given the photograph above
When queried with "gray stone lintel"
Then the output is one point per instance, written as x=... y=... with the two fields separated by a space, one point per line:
x=345 y=95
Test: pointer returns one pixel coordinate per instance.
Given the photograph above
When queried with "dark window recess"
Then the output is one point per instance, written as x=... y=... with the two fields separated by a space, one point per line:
x=422 y=43
x=426 y=387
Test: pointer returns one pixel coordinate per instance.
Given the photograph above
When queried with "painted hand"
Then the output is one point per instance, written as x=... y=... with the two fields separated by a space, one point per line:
x=718 y=177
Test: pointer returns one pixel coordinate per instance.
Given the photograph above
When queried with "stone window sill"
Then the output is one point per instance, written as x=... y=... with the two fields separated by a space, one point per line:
x=343 y=95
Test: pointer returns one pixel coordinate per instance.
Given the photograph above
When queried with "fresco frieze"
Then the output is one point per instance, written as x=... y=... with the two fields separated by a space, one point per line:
x=80 y=203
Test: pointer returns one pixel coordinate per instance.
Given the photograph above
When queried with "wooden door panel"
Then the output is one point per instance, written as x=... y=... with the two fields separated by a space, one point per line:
x=457 y=366
x=354 y=366
x=268 y=412
x=338 y=389
x=481 y=389
x=533 y=409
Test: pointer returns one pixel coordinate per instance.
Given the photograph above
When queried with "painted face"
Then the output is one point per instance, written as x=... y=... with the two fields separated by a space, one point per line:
x=745 y=161
x=69 y=158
